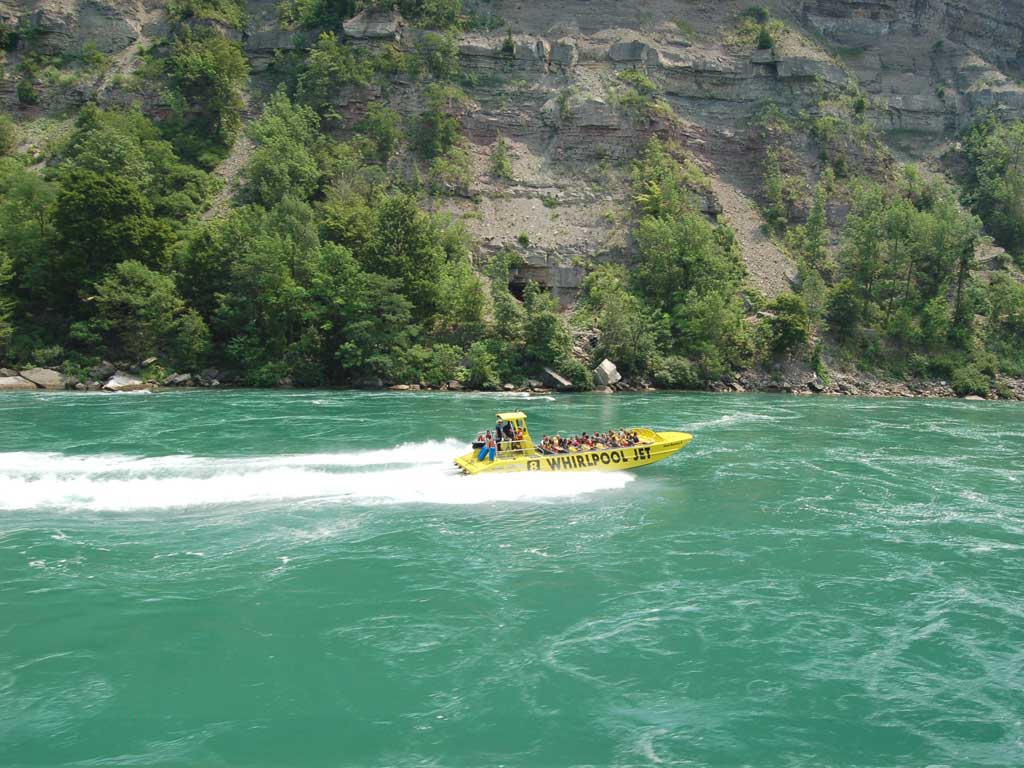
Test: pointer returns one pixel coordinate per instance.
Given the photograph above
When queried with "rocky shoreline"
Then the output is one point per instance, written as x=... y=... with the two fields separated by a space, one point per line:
x=110 y=378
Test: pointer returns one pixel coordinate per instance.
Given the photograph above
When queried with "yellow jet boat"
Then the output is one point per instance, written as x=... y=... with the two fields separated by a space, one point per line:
x=523 y=456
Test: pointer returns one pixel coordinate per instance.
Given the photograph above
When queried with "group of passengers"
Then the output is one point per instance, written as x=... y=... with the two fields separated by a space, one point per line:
x=598 y=441
x=505 y=437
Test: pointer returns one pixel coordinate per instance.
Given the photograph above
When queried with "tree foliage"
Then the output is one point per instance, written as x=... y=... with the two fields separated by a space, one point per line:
x=207 y=72
x=995 y=181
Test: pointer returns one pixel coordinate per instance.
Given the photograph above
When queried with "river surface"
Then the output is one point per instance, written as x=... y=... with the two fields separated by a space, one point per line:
x=299 y=578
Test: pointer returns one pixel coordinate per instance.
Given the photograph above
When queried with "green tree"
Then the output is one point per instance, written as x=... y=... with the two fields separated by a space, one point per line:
x=461 y=300
x=844 y=309
x=287 y=139
x=8 y=135
x=629 y=330
x=501 y=164
x=439 y=54
x=6 y=301
x=265 y=310
x=995 y=182
x=366 y=322
x=775 y=213
x=406 y=246
x=126 y=143
x=332 y=65
x=437 y=129
x=102 y=219
x=546 y=339
x=208 y=71
x=27 y=236
x=789 y=326
x=26 y=91
x=383 y=127
x=483 y=373
x=810 y=240
x=138 y=313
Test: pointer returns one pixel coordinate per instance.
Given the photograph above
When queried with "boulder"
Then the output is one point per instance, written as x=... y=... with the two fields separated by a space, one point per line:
x=123 y=382
x=626 y=51
x=208 y=376
x=816 y=385
x=509 y=387
x=556 y=380
x=454 y=385
x=13 y=383
x=178 y=380
x=373 y=25
x=607 y=374
x=8 y=372
x=45 y=378
x=399 y=387
x=102 y=371
x=605 y=390
x=564 y=53
x=149 y=361
x=974 y=397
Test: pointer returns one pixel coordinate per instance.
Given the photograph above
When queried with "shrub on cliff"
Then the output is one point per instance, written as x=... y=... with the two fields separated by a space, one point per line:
x=229 y=12
x=437 y=129
x=207 y=71
x=331 y=65
x=383 y=127
x=26 y=91
x=8 y=135
x=439 y=54
x=501 y=164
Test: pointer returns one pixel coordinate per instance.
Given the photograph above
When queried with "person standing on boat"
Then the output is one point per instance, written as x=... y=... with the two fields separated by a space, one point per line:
x=510 y=435
x=489 y=449
x=497 y=432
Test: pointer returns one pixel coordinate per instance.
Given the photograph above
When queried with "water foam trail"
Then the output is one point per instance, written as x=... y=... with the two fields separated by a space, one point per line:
x=410 y=473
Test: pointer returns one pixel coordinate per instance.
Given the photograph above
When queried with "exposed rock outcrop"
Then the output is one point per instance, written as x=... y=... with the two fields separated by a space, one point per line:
x=45 y=378
x=607 y=374
x=124 y=382
x=15 y=383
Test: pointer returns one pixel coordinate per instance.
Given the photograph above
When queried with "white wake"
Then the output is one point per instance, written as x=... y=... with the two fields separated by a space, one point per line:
x=410 y=473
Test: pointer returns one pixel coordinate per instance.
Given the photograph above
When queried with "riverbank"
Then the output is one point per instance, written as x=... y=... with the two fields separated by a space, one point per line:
x=793 y=381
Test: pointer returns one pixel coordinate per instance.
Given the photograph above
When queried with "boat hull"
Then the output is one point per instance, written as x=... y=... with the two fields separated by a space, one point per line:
x=657 y=446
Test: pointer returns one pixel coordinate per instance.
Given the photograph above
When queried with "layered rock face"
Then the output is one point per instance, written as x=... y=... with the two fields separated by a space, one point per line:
x=65 y=26
x=928 y=67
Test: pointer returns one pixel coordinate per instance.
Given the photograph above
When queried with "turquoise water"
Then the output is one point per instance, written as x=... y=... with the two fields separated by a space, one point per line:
x=298 y=578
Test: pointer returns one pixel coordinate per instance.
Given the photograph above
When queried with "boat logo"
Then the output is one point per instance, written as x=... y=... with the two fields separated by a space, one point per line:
x=583 y=460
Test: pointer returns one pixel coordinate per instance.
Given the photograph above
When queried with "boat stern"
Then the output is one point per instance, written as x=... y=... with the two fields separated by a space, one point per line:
x=469 y=464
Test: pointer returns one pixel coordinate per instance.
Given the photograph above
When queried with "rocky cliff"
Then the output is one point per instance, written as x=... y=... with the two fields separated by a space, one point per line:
x=546 y=80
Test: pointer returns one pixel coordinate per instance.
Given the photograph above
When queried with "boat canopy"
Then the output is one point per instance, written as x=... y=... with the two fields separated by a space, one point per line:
x=512 y=416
